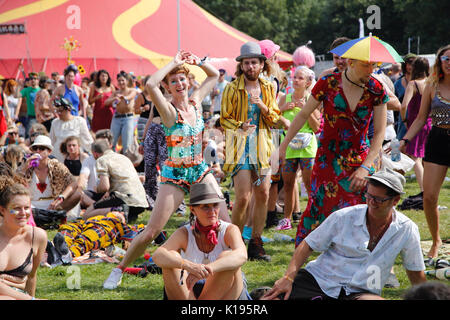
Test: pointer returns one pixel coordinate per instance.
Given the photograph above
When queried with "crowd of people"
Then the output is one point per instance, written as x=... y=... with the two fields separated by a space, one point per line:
x=100 y=152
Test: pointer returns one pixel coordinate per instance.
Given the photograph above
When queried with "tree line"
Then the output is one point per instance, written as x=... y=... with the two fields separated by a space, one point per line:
x=291 y=23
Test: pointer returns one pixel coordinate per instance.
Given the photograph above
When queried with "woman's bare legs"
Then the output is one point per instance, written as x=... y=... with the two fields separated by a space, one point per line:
x=433 y=179
x=167 y=201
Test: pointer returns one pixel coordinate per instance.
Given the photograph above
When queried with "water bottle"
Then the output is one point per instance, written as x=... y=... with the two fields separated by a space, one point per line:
x=441 y=274
x=395 y=150
x=282 y=237
x=34 y=163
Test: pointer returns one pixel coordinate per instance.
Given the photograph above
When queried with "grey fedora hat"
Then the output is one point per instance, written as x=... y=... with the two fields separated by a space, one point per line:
x=390 y=179
x=202 y=193
x=250 y=50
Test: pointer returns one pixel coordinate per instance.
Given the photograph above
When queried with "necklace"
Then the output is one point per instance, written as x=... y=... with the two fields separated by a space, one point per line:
x=374 y=237
x=346 y=77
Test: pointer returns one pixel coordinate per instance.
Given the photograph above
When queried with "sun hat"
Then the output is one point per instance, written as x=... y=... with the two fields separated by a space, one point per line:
x=42 y=141
x=250 y=50
x=268 y=48
x=203 y=193
x=390 y=179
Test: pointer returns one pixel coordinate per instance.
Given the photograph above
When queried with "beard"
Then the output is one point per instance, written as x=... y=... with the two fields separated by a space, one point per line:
x=251 y=75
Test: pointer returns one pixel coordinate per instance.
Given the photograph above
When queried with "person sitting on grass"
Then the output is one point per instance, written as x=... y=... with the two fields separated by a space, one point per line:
x=359 y=244
x=21 y=246
x=98 y=232
x=203 y=260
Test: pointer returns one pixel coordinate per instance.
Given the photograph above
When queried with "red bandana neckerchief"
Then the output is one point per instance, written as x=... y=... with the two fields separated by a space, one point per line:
x=209 y=231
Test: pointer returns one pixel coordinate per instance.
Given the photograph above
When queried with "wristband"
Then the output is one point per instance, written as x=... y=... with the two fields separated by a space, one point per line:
x=371 y=169
x=406 y=140
x=202 y=61
x=182 y=264
x=61 y=197
x=288 y=278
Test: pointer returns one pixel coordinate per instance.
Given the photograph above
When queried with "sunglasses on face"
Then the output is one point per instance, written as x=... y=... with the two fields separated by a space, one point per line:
x=13 y=133
x=38 y=148
x=445 y=58
x=376 y=199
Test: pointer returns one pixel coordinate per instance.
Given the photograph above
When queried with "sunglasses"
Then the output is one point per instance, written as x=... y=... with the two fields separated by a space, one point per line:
x=444 y=58
x=376 y=199
x=13 y=132
x=39 y=148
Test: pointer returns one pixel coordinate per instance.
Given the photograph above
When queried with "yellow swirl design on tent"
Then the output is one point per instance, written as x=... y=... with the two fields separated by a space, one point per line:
x=121 y=30
x=30 y=9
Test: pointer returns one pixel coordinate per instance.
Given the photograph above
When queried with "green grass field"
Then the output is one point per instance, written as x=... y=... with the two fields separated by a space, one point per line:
x=56 y=283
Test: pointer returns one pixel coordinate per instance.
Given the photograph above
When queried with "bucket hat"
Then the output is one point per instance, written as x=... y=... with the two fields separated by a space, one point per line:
x=203 y=193
x=390 y=179
x=42 y=141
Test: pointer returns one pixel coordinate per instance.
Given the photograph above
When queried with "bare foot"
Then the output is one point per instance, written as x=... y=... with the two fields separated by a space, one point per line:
x=434 y=250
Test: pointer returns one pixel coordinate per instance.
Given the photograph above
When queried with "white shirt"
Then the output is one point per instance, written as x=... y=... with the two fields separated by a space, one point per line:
x=89 y=169
x=61 y=130
x=194 y=254
x=346 y=262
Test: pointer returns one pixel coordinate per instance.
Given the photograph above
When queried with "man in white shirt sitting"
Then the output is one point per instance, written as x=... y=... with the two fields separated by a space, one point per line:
x=359 y=245
x=88 y=178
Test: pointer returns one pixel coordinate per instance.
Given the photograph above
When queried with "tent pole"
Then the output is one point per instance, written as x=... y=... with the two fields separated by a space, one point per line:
x=30 y=61
x=178 y=25
x=45 y=64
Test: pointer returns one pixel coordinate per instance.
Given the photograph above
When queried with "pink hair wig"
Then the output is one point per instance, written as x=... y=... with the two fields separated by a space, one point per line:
x=303 y=56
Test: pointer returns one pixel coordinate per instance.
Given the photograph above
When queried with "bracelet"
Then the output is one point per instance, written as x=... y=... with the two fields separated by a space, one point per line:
x=202 y=61
x=288 y=278
x=182 y=264
x=61 y=197
x=371 y=169
x=406 y=140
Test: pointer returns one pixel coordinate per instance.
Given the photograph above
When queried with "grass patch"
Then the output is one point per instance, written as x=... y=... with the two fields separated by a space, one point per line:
x=53 y=283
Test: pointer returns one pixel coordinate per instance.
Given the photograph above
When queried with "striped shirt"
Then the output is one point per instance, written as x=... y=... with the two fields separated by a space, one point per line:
x=234 y=113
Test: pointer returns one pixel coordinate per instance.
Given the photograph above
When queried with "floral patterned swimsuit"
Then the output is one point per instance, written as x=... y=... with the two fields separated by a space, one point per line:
x=184 y=165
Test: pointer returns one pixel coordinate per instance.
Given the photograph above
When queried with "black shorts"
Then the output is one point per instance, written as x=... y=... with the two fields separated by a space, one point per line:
x=437 y=147
x=114 y=201
x=93 y=195
x=305 y=287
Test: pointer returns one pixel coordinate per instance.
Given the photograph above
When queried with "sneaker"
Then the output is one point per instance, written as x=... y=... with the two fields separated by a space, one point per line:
x=114 y=279
x=61 y=246
x=256 y=250
x=247 y=233
x=284 y=224
x=272 y=219
x=392 y=281
x=296 y=217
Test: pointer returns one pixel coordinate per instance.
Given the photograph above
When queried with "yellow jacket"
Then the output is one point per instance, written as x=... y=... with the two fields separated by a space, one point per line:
x=234 y=113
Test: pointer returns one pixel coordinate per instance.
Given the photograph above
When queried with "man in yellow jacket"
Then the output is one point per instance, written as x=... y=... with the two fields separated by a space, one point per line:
x=248 y=112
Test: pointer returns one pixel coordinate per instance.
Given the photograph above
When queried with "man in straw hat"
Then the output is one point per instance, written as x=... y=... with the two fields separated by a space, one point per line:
x=359 y=245
x=249 y=110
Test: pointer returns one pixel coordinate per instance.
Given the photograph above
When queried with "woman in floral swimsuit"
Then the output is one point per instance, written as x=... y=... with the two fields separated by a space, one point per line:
x=183 y=127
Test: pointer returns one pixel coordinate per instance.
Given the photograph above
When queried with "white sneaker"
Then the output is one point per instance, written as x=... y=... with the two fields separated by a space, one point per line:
x=284 y=224
x=114 y=279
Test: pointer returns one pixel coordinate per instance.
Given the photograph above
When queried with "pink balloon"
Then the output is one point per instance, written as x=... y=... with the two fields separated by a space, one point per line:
x=77 y=79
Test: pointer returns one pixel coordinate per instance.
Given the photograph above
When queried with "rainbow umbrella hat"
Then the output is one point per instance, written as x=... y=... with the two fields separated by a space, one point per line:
x=369 y=48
